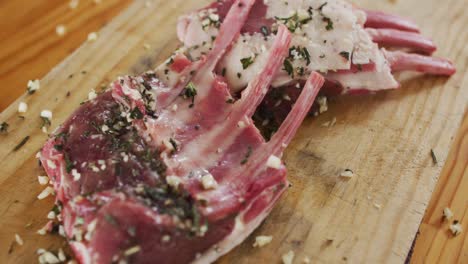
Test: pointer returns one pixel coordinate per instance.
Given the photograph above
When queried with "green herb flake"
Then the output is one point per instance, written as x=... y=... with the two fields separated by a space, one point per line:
x=79 y=221
x=329 y=22
x=174 y=144
x=247 y=155
x=21 y=144
x=58 y=147
x=68 y=164
x=190 y=92
x=345 y=55
x=287 y=66
x=434 y=157
x=246 y=62
x=45 y=122
x=264 y=31
x=131 y=231
x=4 y=127
x=111 y=219
x=136 y=113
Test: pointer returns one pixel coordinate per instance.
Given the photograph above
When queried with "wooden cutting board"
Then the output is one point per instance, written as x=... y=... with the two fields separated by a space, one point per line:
x=385 y=139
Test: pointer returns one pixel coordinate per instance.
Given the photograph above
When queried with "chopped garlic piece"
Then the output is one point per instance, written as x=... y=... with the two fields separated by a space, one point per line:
x=261 y=241
x=208 y=181
x=76 y=175
x=49 y=258
x=73 y=4
x=92 y=36
x=46 y=114
x=132 y=250
x=19 y=240
x=241 y=124
x=61 y=30
x=306 y=260
x=456 y=228
x=33 y=85
x=92 y=95
x=22 y=107
x=146 y=46
x=273 y=162
x=43 y=180
x=46 y=192
x=104 y=128
x=51 y=215
x=288 y=257
x=323 y=105
x=448 y=214
x=51 y=164
x=61 y=255
x=347 y=173
x=173 y=181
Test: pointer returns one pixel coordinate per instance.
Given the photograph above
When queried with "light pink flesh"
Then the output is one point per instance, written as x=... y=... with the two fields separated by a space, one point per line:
x=402 y=39
x=402 y=61
x=377 y=19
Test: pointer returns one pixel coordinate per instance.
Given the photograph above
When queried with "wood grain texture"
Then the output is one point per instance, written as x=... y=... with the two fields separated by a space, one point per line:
x=435 y=243
x=385 y=139
x=30 y=47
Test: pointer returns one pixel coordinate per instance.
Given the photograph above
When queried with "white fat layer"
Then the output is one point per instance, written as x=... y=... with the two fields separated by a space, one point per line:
x=193 y=31
x=253 y=47
x=379 y=79
x=326 y=47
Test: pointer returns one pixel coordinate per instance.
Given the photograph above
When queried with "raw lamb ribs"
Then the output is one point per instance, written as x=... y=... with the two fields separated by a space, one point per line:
x=152 y=173
x=168 y=166
x=355 y=50
x=339 y=40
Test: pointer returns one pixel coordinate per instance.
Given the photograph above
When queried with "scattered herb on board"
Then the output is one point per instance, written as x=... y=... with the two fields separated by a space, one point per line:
x=190 y=92
x=45 y=121
x=21 y=144
x=246 y=62
x=345 y=55
x=4 y=127
x=434 y=157
x=247 y=155
x=230 y=101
